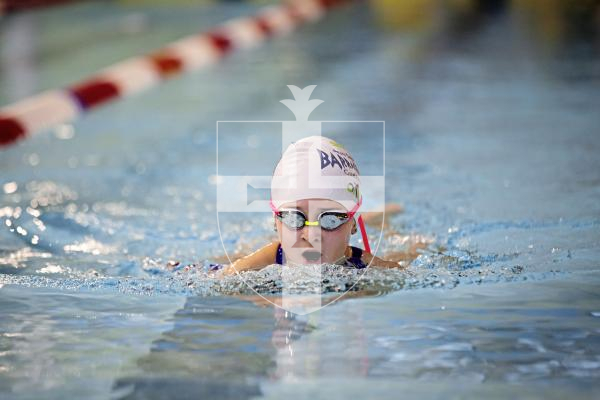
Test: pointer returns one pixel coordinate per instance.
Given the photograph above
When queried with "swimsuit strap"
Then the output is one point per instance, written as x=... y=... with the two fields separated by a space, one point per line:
x=279 y=256
x=355 y=259
x=356 y=252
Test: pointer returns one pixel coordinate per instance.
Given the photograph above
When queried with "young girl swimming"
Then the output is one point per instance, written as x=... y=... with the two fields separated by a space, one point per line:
x=315 y=195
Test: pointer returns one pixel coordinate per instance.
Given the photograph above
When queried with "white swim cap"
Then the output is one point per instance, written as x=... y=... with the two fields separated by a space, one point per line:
x=316 y=167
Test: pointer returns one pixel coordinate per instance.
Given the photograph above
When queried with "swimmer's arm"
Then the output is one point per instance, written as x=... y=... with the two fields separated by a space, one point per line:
x=398 y=259
x=374 y=261
x=254 y=261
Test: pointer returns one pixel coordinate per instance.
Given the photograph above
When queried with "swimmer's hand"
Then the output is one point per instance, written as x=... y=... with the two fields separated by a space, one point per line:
x=254 y=261
x=414 y=245
x=374 y=261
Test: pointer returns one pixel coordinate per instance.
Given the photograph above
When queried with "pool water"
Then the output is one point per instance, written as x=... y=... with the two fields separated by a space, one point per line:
x=491 y=147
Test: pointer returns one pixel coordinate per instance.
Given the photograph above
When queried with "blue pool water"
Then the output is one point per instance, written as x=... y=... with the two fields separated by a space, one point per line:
x=491 y=147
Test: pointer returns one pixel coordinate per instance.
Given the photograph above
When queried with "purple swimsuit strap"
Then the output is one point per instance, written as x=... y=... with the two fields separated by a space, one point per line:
x=279 y=256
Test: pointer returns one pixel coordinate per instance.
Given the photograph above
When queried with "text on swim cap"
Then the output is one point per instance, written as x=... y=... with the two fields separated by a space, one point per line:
x=343 y=163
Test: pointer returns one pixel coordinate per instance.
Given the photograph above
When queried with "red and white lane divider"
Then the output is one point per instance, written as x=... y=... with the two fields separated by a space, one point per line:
x=53 y=107
x=12 y=6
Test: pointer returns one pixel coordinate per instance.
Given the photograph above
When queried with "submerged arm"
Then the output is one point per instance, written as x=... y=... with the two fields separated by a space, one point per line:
x=395 y=259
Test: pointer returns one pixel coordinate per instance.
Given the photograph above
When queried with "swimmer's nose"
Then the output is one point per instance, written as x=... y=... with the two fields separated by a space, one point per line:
x=309 y=238
x=312 y=234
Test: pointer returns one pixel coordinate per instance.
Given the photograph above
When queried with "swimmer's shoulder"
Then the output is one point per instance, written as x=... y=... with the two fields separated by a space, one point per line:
x=254 y=261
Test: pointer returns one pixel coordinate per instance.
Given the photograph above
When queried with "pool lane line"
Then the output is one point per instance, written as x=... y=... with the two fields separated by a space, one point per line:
x=43 y=111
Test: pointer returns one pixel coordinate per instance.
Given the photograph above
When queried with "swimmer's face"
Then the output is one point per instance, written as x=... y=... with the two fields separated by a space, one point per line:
x=311 y=244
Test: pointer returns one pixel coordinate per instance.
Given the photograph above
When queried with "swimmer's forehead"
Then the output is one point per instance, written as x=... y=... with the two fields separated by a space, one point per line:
x=317 y=205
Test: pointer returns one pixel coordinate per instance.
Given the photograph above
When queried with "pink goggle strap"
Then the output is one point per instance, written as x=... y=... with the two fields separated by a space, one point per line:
x=361 y=225
x=363 y=232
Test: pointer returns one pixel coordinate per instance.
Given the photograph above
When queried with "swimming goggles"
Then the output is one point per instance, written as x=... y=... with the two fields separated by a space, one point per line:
x=327 y=220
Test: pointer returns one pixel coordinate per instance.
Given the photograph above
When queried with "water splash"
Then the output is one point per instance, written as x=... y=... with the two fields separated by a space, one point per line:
x=196 y=280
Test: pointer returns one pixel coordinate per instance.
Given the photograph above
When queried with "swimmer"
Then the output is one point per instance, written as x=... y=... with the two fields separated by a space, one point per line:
x=315 y=221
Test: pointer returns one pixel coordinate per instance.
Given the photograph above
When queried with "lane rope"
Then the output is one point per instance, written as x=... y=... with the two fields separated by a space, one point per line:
x=40 y=112
x=15 y=6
